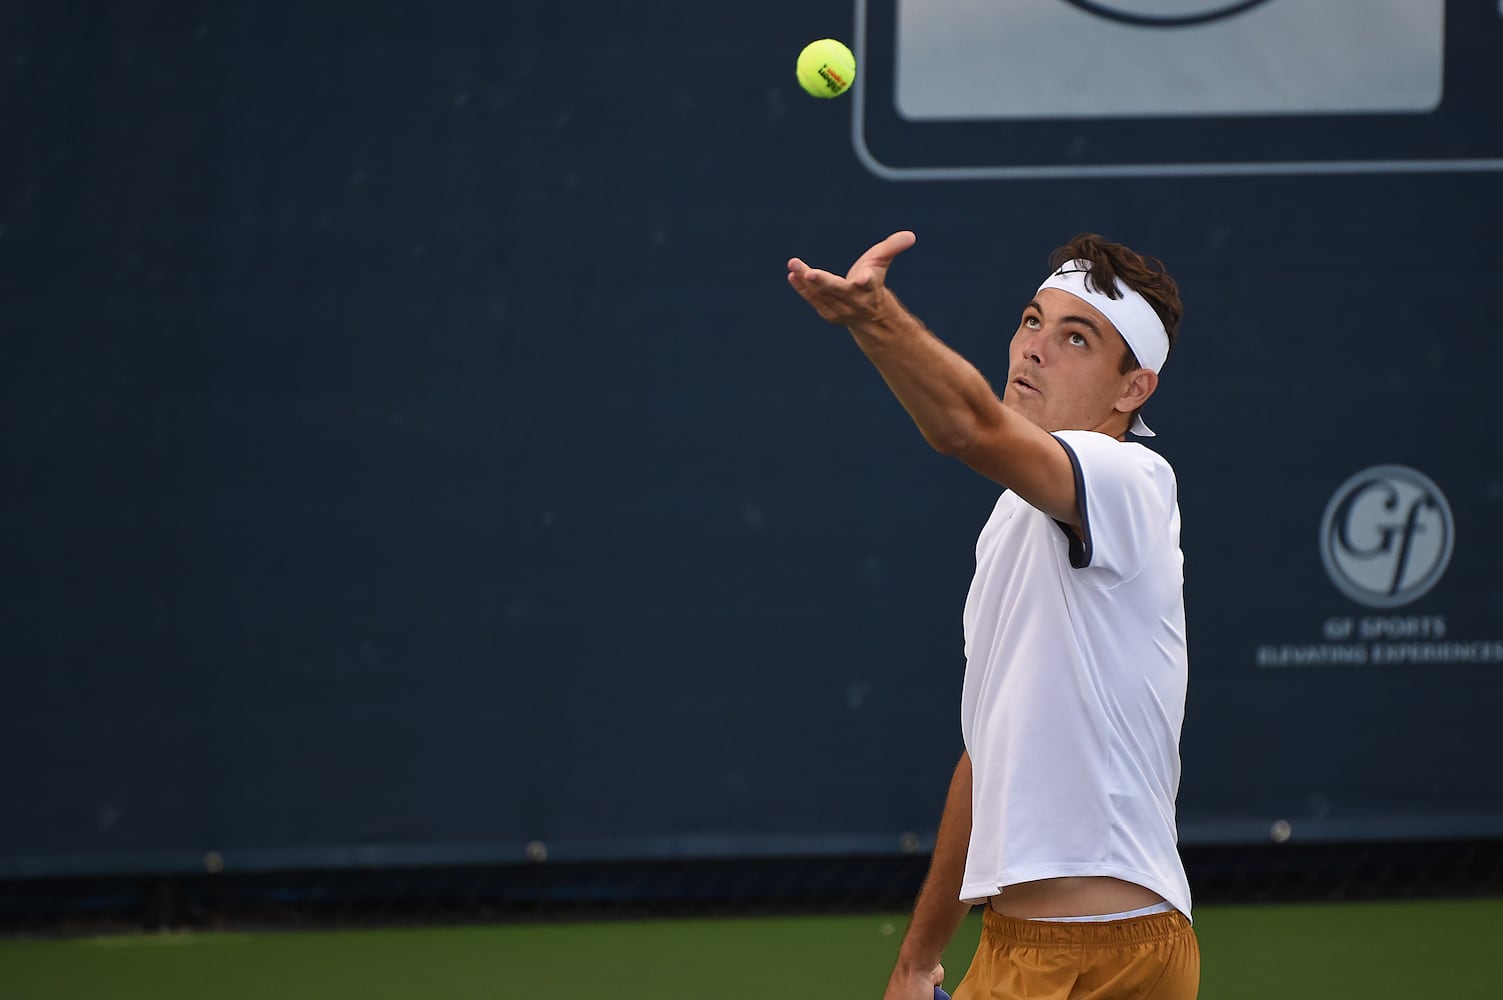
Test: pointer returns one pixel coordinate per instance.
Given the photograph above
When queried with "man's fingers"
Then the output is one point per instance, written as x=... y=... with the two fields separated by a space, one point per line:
x=814 y=278
x=871 y=268
x=798 y=271
x=856 y=296
x=899 y=241
x=882 y=254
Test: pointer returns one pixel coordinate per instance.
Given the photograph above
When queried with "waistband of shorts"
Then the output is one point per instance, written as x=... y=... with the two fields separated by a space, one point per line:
x=1108 y=933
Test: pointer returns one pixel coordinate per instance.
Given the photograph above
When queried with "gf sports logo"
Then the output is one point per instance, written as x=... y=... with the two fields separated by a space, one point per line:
x=1386 y=540
x=1386 y=536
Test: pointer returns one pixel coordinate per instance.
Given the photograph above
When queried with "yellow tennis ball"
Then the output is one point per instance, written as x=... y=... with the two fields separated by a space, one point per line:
x=826 y=68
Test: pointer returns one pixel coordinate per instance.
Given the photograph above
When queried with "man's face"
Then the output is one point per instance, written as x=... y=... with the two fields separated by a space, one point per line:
x=1064 y=367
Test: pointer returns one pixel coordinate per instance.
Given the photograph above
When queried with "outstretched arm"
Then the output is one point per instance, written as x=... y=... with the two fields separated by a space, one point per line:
x=939 y=911
x=952 y=403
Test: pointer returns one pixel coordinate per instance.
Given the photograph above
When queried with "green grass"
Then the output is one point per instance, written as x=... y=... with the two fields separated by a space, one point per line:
x=1330 y=952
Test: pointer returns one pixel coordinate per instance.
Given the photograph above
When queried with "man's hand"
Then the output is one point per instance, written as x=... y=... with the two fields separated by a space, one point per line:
x=861 y=296
x=906 y=985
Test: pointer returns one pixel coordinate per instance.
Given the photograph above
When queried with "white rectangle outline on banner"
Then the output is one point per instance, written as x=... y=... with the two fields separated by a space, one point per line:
x=882 y=170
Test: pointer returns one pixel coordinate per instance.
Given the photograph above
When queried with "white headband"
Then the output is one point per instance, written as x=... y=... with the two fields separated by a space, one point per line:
x=1131 y=314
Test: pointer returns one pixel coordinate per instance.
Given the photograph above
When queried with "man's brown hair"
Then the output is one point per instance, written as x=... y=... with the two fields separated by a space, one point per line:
x=1113 y=262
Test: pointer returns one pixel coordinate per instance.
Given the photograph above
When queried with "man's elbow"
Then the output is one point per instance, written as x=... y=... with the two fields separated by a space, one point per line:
x=952 y=440
x=964 y=437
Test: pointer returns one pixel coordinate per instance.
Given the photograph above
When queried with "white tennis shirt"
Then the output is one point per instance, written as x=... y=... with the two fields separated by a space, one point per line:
x=1075 y=680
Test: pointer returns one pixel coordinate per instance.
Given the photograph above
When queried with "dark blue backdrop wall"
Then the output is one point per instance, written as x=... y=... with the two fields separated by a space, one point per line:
x=413 y=452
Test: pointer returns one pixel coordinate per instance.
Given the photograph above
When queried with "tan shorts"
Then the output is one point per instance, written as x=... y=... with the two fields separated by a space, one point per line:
x=1146 y=958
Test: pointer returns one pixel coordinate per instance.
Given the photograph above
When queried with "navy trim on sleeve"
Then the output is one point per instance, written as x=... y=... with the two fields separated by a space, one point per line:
x=1080 y=545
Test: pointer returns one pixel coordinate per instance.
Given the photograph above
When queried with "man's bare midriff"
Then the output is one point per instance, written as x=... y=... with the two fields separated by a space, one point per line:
x=1072 y=897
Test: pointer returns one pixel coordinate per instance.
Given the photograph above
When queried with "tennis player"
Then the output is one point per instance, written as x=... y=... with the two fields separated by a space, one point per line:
x=1060 y=817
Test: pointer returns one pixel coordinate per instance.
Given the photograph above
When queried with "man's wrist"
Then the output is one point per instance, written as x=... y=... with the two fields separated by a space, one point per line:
x=918 y=961
x=888 y=319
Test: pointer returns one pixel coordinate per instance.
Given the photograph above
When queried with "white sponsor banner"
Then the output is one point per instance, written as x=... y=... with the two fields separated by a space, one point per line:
x=1033 y=59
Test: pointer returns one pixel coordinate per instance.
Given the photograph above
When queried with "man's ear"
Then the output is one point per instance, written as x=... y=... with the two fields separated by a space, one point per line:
x=1140 y=385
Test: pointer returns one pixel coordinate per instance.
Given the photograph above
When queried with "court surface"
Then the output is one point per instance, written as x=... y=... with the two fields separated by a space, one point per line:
x=1328 y=951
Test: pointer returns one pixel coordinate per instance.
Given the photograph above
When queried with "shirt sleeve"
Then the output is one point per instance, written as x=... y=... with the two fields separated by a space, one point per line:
x=1127 y=499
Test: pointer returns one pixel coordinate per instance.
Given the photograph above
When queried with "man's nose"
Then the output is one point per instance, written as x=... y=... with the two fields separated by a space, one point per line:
x=1033 y=347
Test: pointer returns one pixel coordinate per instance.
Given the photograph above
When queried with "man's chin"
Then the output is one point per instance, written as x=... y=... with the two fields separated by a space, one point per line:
x=1031 y=413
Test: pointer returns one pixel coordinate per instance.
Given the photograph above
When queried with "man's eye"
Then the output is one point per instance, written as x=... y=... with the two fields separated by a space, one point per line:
x=1032 y=322
x=1078 y=339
